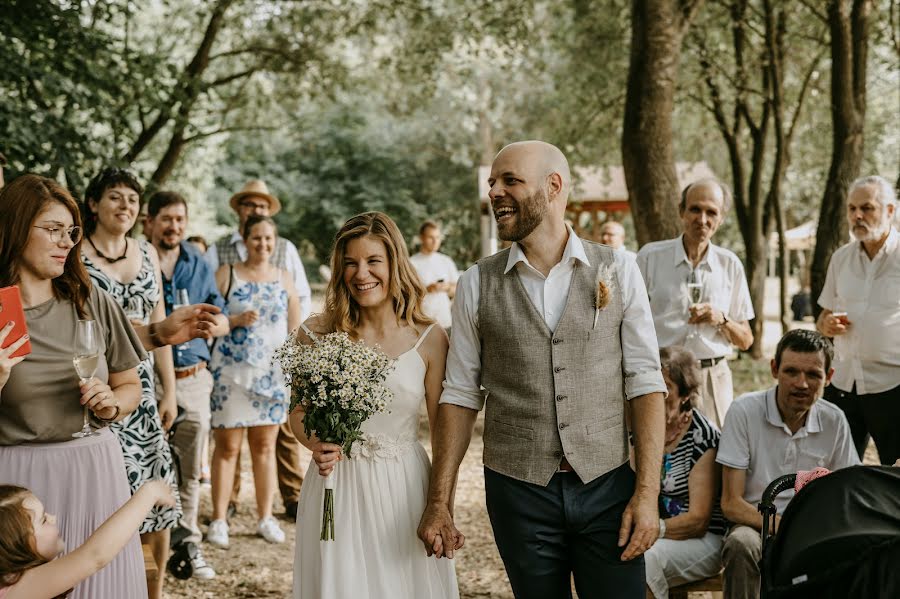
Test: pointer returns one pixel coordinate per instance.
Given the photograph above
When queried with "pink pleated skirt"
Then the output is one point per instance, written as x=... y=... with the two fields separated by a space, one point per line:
x=83 y=482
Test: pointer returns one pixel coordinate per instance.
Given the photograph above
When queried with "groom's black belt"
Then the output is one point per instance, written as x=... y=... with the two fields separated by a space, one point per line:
x=710 y=362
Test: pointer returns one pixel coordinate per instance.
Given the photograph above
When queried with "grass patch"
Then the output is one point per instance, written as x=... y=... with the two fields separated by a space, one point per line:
x=750 y=375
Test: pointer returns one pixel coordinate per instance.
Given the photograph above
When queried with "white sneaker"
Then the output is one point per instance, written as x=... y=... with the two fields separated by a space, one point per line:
x=217 y=534
x=269 y=530
x=202 y=570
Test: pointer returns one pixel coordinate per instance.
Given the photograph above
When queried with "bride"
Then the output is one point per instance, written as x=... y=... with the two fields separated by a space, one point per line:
x=375 y=295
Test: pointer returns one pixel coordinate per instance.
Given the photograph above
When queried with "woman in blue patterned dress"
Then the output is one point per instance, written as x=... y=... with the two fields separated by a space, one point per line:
x=250 y=391
x=128 y=270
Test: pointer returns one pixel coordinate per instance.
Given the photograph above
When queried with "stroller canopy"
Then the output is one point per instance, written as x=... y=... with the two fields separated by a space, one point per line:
x=835 y=528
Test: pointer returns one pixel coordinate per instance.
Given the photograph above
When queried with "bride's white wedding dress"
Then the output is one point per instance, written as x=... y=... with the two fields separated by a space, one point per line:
x=379 y=497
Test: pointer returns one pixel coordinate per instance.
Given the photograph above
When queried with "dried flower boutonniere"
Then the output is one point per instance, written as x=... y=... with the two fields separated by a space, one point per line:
x=606 y=281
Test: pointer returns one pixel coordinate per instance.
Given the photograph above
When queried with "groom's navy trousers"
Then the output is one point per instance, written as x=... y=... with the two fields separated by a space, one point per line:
x=548 y=534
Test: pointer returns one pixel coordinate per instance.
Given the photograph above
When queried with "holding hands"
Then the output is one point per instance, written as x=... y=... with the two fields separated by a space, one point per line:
x=438 y=533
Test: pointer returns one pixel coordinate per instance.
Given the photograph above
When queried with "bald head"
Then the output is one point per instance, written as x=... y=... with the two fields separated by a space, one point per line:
x=538 y=160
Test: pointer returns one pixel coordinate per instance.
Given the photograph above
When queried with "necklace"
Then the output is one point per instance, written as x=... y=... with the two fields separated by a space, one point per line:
x=110 y=260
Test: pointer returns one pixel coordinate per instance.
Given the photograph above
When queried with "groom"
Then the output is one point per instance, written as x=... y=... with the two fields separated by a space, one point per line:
x=554 y=371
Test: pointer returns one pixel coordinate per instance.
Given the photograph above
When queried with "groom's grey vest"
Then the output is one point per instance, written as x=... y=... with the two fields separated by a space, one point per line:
x=551 y=394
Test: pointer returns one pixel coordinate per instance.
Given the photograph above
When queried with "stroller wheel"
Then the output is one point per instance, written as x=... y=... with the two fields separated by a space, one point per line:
x=179 y=564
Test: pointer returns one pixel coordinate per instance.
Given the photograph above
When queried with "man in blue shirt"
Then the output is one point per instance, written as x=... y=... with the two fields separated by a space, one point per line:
x=183 y=267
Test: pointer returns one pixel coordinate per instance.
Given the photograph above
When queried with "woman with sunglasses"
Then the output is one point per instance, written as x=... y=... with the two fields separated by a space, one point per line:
x=42 y=401
x=128 y=270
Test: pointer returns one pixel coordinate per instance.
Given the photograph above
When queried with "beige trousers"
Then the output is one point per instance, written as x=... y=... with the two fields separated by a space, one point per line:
x=716 y=392
x=191 y=393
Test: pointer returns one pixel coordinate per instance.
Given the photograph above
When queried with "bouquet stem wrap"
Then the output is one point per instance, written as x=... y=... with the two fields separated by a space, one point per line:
x=328 y=509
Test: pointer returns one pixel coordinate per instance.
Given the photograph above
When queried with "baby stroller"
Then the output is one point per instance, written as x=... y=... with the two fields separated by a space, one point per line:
x=839 y=537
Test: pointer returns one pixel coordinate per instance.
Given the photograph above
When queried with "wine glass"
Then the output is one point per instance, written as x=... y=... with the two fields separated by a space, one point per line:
x=181 y=300
x=695 y=293
x=86 y=360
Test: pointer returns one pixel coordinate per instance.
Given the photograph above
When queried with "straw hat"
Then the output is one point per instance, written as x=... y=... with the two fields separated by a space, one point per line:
x=257 y=189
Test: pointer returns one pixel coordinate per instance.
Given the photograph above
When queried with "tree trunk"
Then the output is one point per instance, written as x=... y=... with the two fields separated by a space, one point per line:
x=657 y=30
x=188 y=88
x=849 y=25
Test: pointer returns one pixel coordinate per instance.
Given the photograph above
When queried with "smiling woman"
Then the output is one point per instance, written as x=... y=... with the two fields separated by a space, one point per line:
x=129 y=271
x=41 y=399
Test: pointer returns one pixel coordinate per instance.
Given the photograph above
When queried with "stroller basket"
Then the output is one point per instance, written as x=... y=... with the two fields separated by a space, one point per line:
x=839 y=537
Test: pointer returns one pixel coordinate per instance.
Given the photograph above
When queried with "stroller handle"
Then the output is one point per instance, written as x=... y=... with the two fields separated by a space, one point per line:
x=767 y=504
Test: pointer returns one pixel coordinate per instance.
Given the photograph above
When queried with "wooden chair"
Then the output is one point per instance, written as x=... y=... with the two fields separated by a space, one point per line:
x=713 y=583
x=150 y=569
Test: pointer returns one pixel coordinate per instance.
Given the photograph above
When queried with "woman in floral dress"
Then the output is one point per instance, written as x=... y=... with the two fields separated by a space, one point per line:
x=128 y=270
x=249 y=391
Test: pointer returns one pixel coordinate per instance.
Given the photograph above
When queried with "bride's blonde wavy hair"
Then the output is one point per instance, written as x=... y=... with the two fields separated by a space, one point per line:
x=405 y=288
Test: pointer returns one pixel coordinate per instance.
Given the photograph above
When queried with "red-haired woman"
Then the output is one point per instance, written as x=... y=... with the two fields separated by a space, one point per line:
x=41 y=400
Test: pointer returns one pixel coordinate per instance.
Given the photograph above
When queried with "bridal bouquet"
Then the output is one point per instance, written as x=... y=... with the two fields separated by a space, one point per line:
x=339 y=383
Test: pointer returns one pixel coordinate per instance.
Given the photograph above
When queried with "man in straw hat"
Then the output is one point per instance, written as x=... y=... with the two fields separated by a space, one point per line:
x=255 y=199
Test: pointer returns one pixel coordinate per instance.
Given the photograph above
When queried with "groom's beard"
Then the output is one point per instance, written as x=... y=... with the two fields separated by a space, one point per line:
x=530 y=212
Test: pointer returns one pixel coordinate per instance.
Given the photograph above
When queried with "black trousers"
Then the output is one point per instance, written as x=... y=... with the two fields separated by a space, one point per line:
x=548 y=534
x=876 y=414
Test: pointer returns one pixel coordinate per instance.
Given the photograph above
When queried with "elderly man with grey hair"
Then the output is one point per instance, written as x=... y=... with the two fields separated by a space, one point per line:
x=699 y=294
x=861 y=310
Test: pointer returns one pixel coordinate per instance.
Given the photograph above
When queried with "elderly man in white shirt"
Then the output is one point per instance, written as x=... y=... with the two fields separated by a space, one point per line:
x=558 y=333
x=716 y=318
x=861 y=310
x=781 y=430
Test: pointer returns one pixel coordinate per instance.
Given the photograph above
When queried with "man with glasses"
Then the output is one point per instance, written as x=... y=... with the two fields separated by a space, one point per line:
x=255 y=199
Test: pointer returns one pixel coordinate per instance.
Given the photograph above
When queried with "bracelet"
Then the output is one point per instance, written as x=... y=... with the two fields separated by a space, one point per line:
x=662 y=528
x=111 y=418
x=154 y=336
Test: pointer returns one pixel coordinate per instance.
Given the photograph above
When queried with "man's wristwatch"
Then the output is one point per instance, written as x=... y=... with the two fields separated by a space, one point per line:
x=724 y=321
x=662 y=528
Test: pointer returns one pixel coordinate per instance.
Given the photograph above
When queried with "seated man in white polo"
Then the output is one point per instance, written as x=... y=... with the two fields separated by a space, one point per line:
x=781 y=430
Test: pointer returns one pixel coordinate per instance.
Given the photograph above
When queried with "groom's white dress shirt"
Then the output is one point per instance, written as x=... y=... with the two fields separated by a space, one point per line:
x=640 y=359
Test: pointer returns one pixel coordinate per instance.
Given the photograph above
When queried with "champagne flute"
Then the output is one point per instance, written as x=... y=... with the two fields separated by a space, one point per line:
x=695 y=294
x=181 y=300
x=86 y=360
